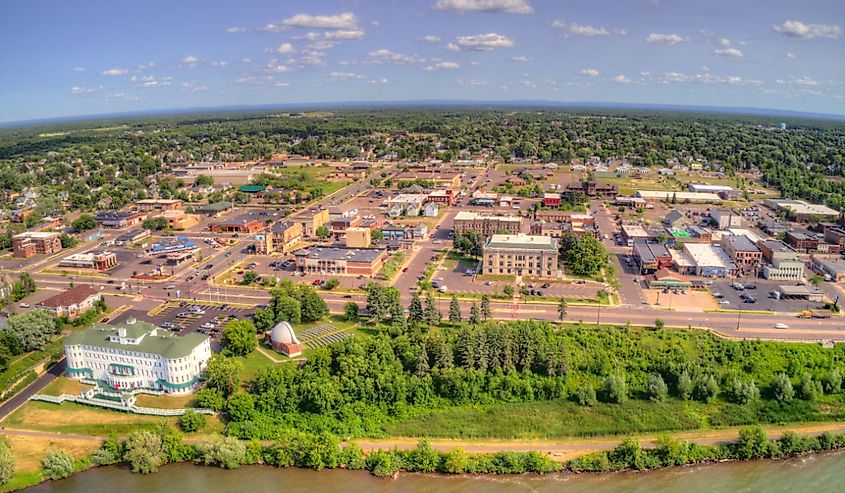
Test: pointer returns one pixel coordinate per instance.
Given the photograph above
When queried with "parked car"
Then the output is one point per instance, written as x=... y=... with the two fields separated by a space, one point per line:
x=443 y=289
x=24 y=305
x=724 y=302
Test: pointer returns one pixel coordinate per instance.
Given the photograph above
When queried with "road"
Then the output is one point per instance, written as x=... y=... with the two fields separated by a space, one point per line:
x=21 y=397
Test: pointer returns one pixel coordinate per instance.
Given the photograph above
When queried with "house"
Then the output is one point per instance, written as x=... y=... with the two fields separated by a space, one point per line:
x=551 y=200
x=430 y=210
x=72 y=302
x=137 y=355
x=675 y=219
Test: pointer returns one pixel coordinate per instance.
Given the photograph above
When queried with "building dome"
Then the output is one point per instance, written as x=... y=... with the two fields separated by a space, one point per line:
x=283 y=333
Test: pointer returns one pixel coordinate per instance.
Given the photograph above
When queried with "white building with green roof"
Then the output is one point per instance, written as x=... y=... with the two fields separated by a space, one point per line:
x=137 y=355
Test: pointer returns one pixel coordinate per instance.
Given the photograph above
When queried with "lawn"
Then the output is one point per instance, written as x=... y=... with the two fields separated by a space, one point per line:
x=563 y=418
x=65 y=385
x=30 y=451
x=164 y=401
x=629 y=184
x=29 y=361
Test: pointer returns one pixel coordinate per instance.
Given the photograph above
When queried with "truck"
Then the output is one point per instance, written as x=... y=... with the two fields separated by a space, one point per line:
x=814 y=314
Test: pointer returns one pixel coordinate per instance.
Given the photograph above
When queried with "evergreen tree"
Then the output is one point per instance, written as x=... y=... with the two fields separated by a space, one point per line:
x=454 y=310
x=415 y=311
x=486 y=313
x=423 y=367
x=474 y=316
x=432 y=314
x=685 y=386
x=561 y=309
x=376 y=302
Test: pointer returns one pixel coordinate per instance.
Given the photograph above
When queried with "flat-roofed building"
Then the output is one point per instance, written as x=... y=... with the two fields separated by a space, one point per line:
x=522 y=255
x=358 y=238
x=281 y=237
x=119 y=219
x=94 y=261
x=340 y=261
x=709 y=260
x=438 y=178
x=179 y=220
x=725 y=218
x=444 y=196
x=802 y=241
x=551 y=200
x=138 y=355
x=553 y=229
x=245 y=223
x=29 y=243
x=705 y=188
x=72 y=302
x=132 y=236
x=832 y=269
x=632 y=232
x=836 y=236
x=593 y=189
x=801 y=211
x=158 y=204
x=486 y=224
x=215 y=209
x=312 y=220
x=743 y=252
x=783 y=263
x=679 y=197
x=650 y=256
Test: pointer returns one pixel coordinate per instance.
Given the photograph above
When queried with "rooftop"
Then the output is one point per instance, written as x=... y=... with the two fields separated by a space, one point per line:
x=336 y=253
x=72 y=296
x=530 y=242
x=708 y=255
x=741 y=243
x=150 y=339
x=472 y=216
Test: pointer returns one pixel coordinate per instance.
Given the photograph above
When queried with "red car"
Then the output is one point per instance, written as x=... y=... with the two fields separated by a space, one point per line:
x=316 y=282
x=405 y=269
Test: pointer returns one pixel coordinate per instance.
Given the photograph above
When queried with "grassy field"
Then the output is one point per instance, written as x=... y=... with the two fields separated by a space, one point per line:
x=164 y=401
x=629 y=184
x=65 y=385
x=562 y=418
x=28 y=361
x=30 y=451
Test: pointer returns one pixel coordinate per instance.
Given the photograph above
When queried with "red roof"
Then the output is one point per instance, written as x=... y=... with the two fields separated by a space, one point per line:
x=666 y=273
x=72 y=296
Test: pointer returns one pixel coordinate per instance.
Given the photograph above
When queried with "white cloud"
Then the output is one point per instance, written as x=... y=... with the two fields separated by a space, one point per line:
x=443 y=66
x=574 y=29
x=150 y=81
x=381 y=81
x=472 y=82
x=791 y=55
x=345 y=34
x=285 y=48
x=255 y=79
x=505 y=6
x=219 y=63
x=344 y=76
x=706 y=78
x=191 y=87
x=806 y=81
x=85 y=90
x=115 y=71
x=621 y=79
x=430 y=39
x=190 y=61
x=276 y=68
x=589 y=72
x=664 y=38
x=797 y=29
x=344 y=21
x=729 y=52
x=246 y=60
x=235 y=29
x=481 y=42
x=281 y=84
x=723 y=42
x=386 y=56
x=520 y=59
x=79 y=69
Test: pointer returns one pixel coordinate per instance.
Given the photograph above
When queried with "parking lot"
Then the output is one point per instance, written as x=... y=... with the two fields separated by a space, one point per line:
x=761 y=295
x=185 y=317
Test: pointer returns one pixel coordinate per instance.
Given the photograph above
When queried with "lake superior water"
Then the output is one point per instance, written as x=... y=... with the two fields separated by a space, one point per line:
x=813 y=473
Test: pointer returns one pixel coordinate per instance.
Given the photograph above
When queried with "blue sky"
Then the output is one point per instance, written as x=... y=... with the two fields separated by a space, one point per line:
x=63 y=58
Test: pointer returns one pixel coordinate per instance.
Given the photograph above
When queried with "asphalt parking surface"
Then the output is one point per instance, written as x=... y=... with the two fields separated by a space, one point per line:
x=761 y=294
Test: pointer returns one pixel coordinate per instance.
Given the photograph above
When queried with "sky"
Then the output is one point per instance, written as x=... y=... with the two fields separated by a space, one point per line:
x=74 y=57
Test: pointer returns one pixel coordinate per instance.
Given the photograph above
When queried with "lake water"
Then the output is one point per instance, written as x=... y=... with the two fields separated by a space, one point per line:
x=813 y=473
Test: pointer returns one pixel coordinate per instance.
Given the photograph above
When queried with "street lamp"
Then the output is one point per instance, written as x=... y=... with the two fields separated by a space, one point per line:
x=738 y=317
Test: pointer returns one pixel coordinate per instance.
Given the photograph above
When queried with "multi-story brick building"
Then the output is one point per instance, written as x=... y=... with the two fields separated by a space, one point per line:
x=523 y=255
x=743 y=252
x=282 y=237
x=29 y=243
x=485 y=224
x=340 y=261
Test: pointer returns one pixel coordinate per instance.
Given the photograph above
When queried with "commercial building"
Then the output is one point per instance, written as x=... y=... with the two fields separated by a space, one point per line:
x=312 y=220
x=445 y=196
x=835 y=236
x=725 y=218
x=94 y=261
x=158 y=204
x=484 y=224
x=216 y=209
x=743 y=252
x=523 y=255
x=72 y=302
x=358 y=238
x=791 y=291
x=679 y=197
x=137 y=355
x=593 y=189
x=702 y=259
x=486 y=199
x=632 y=232
x=340 y=261
x=245 y=223
x=281 y=237
x=783 y=262
x=339 y=224
x=437 y=178
x=704 y=188
x=118 y=219
x=831 y=269
x=576 y=218
x=178 y=220
x=551 y=199
x=651 y=257
x=29 y=243
x=172 y=245
x=664 y=278
x=801 y=211
x=132 y=236
x=802 y=241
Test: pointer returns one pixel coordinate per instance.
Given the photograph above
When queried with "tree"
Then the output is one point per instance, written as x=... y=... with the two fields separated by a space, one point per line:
x=833 y=382
x=57 y=465
x=223 y=374
x=561 y=309
x=743 y=392
x=615 y=389
x=144 y=452
x=685 y=386
x=508 y=289
x=376 y=303
x=241 y=407
x=474 y=316
x=659 y=324
x=377 y=235
x=84 y=222
x=586 y=395
x=263 y=319
x=239 y=338
x=432 y=314
x=810 y=389
x=7 y=462
x=203 y=180
x=656 y=388
x=454 y=310
x=486 y=312
x=782 y=388
x=583 y=255
x=155 y=223
x=33 y=329
x=314 y=308
x=332 y=283
x=68 y=241
x=707 y=388
x=351 y=310
x=322 y=232
x=415 y=310
x=288 y=309
x=191 y=421
x=249 y=277
x=225 y=452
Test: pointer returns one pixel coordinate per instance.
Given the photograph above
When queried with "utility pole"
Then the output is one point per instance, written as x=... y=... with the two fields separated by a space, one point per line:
x=738 y=317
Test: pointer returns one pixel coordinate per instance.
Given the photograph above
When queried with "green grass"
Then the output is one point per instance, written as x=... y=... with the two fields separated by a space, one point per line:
x=72 y=418
x=563 y=418
x=28 y=361
x=21 y=480
x=496 y=277
x=254 y=362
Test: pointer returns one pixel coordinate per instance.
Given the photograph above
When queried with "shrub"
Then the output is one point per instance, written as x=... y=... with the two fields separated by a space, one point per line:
x=57 y=465
x=810 y=389
x=833 y=382
x=586 y=395
x=144 y=452
x=782 y=388
x=210 y=399
x=656 y=388
x=615 y=389
x=191 y=421
x=743 y=392
x=752 y=443
x=225 y=452
x=456 y=461
x=7 y=462
x=685 y=386
x=352 y=457
x=423 y=458
x=110 y=451
x=383 y=463
x=707 y=388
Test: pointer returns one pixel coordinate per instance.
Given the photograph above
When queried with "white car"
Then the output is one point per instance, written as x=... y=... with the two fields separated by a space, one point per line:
x=24 y=305
x=443 y=289
x=724 y=302
x=781 y=326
